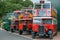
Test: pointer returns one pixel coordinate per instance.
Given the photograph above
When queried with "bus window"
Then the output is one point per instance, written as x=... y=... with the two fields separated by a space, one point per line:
x=42 y=13
x=17 y=14
x=54 y=21
x=37 y=21
x=37 y=6
x=47 y=21
x=46 y=6
x=29 y=11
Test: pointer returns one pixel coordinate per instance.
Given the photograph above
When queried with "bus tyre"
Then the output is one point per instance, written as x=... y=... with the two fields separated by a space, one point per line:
x=12 y=30
x=7 y=30
x=33 y=35
x=50 y=34
x=55 y=34
x=20 y=32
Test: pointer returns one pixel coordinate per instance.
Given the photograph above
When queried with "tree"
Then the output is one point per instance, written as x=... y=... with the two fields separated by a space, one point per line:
x=27 y=3
x=7 y=6
x=2 y=8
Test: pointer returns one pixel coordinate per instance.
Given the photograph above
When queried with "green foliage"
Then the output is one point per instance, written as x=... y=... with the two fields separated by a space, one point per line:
x=8 y=6
x=27 y=3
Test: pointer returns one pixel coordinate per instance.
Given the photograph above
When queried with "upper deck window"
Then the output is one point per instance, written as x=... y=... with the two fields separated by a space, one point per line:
x=46 y=6
x=29 y=11
x=37 y=6
x=16 y=14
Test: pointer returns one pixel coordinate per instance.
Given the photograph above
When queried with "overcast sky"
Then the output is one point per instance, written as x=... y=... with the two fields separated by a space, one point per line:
x=35 y=0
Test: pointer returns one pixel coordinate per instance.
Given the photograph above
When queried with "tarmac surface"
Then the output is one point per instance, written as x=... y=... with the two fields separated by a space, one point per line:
x=4 y=35
x=7 y=35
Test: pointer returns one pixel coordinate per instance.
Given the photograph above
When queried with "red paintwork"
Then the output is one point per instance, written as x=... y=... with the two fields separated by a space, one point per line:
x=48 y=26
x=51 y=26
x=17 y=27
x=35 y=27
x=20 y=26
x=12 y=26
x=29 y=26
